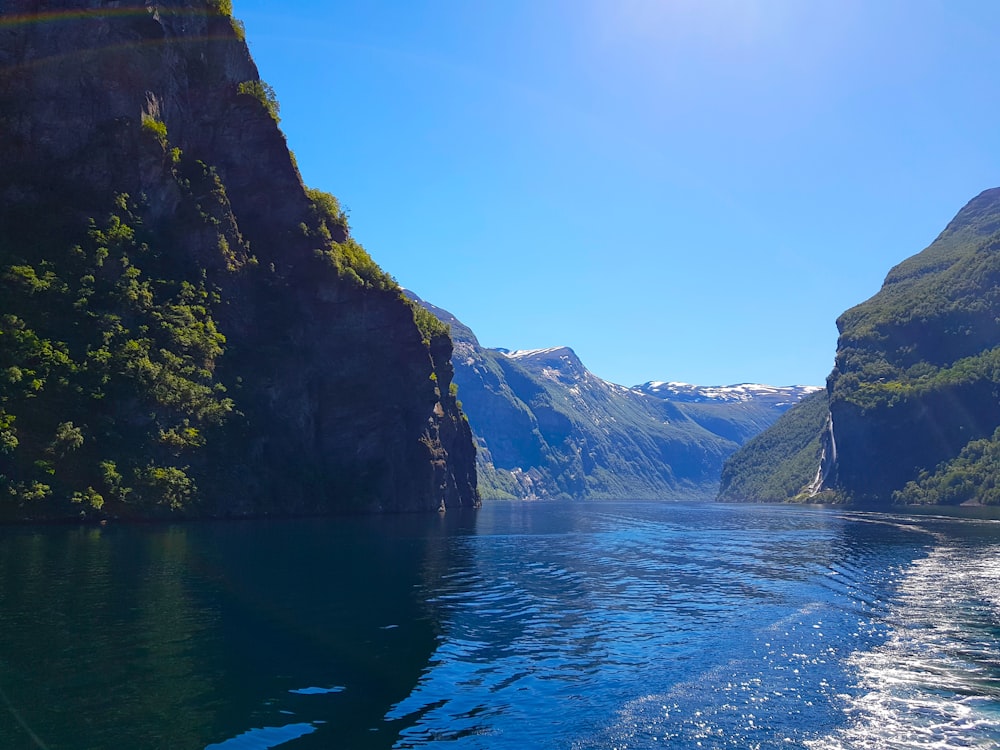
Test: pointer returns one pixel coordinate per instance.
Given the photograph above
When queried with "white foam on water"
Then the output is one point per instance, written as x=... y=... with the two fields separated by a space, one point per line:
x=935 y=682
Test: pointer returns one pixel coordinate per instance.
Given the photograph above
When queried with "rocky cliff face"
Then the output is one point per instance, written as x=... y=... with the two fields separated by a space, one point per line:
x=214 y=335
x=548 y=427
x=913 y=398
x=916 y=375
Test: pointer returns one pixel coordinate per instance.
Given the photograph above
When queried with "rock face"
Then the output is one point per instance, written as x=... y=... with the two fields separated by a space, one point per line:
x=186 y=326
x=548 y=427
x=913 y=398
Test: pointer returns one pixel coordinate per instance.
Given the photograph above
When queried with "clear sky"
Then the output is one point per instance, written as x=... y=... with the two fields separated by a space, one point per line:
x=677 y=189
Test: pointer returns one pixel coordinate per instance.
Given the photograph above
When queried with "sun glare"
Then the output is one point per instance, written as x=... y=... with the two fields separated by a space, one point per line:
x=724 y=26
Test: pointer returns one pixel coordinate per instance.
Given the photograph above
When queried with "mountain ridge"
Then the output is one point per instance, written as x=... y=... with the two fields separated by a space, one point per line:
x=736 y=392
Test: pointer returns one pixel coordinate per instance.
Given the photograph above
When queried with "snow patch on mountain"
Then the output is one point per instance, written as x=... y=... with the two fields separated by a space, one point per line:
x=563 y=351
x=677 y=391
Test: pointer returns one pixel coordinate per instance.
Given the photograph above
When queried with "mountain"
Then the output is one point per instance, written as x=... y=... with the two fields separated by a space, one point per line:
x=762 y=395
x=185 y=328
x=783 y=460
x=737 y=412
x=548 y=427
x=913 y=398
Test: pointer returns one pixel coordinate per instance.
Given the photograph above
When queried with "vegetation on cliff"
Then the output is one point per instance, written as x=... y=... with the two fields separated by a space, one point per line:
x=971 y=477
x=918 y=365
x=753 y=471
x=913 y=396
x=108 y=354
x=185 y=327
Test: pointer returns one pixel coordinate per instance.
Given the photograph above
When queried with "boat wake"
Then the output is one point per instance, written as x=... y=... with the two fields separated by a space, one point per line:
x=935 y=682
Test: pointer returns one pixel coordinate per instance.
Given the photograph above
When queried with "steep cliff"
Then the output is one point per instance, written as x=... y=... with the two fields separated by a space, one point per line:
x=914 y=397
x=918 y=365
x=548 y=427
x=184 y=326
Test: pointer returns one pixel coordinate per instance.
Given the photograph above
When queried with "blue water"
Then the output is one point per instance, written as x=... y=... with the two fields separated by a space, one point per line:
x=525 y=625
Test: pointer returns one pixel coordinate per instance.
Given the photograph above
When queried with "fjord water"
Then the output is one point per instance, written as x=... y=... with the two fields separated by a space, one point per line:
x=625 y=625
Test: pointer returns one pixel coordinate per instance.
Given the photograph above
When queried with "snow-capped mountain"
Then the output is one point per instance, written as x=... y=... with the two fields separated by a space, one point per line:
x=777 y=396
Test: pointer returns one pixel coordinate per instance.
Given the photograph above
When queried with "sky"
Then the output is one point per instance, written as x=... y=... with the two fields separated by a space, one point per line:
x=688 y=190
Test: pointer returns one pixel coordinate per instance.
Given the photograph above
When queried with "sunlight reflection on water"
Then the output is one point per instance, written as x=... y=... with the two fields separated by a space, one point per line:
x=264 y=738
x=549 y=626
x=934 y=682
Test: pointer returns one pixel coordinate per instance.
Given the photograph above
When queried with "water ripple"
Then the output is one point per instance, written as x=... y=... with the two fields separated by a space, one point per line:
x=651 y=624
x=934 y=682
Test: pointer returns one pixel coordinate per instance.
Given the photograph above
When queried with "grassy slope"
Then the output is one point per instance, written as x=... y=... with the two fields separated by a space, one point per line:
x=776 y=465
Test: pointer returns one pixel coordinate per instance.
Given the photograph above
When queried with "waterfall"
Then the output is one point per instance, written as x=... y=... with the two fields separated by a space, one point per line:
x=827 y=459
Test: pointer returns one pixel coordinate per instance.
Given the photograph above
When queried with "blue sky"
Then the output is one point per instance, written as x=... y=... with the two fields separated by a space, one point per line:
x=677 y=189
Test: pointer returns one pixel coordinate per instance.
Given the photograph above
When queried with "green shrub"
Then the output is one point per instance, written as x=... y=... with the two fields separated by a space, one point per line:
x=239 y=28
x=222 y=7
x=90 y=496
x=156 y=128
x=8 y=438
x=166 y=486
x=327 y=211
x=68 y=438
x=264 y=94
x=428 y=324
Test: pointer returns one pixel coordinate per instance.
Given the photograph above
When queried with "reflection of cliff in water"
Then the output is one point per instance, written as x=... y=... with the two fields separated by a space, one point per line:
x=96 y=628
x=204 y=634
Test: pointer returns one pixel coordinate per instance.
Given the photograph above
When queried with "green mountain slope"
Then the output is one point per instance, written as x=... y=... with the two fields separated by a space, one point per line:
x=184 y=327
x=752 y=472
x=915 y=388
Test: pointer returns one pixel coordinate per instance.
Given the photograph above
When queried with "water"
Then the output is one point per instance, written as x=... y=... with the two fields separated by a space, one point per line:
x=529 y=625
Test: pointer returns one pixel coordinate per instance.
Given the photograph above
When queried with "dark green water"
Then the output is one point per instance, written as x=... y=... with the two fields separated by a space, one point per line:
x=523 y=625
x=175 y=637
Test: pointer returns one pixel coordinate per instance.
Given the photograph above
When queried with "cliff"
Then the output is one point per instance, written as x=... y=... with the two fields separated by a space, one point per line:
x=913 y=403
x=185 y=327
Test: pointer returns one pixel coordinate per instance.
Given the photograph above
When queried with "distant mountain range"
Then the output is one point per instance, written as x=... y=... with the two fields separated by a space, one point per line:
x=777 y=396
x=546 y=426
x=912 y=408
